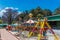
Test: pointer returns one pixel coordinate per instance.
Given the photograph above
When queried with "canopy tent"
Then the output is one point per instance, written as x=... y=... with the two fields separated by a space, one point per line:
x=30 y=21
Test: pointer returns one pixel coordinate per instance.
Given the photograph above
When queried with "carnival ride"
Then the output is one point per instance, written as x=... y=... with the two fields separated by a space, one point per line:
x=44 y=26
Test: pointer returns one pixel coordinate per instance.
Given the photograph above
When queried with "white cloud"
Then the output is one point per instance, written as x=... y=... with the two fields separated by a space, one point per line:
x=16 y=8
x=1 y=12
x=19 y=12
x=9 y=7
x=6 y=8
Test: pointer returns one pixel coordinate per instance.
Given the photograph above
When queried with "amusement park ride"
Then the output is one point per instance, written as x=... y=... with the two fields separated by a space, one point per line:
x=44 y=26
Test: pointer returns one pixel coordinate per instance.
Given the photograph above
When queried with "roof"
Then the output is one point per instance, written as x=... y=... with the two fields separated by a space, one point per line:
x=54 y=18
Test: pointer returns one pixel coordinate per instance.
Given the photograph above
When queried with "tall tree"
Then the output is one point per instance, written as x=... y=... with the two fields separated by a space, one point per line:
x=47 y=12
x=9 y=15
x=57 y=10
x=23 y=15
x=36 y=11
x=26 y=15
x=33 y=12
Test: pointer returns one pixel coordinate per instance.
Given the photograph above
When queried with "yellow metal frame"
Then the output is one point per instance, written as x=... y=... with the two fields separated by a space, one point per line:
x=40 y=35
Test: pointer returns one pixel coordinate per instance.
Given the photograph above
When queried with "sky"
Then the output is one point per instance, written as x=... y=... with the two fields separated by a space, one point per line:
x=30 y=4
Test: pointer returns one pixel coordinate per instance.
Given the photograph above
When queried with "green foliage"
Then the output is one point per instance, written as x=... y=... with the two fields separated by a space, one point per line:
x=9 y=15
x=23 y=15
x=57 y=11
x=13 y=22
x=39 y=16
x=0 y=21
x=47 y=12
x=37 y=12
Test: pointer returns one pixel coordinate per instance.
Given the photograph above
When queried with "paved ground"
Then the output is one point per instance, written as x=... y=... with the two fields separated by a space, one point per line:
x=50 y=36
x=5 y=35
x=0 y=35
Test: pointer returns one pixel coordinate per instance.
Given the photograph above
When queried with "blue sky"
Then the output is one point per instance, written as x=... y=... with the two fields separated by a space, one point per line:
x=29 y=4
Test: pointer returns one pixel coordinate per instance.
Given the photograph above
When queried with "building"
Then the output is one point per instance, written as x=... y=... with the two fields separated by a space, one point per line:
x=54 y=21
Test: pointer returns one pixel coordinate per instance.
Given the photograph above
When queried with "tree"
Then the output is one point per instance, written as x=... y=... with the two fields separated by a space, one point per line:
x=0 y=21
x=57 y=10
x=23 y=15
x=10 y=15
x=33 y=12
x=26 y=15
x=40 y=16
x=47 y=12
x=36 y=11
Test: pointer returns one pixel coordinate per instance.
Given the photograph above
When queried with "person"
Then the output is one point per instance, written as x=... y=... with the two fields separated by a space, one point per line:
x=9 y=27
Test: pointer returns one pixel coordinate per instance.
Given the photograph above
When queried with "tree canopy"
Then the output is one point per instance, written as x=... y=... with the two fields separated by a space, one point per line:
x=10 y=15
